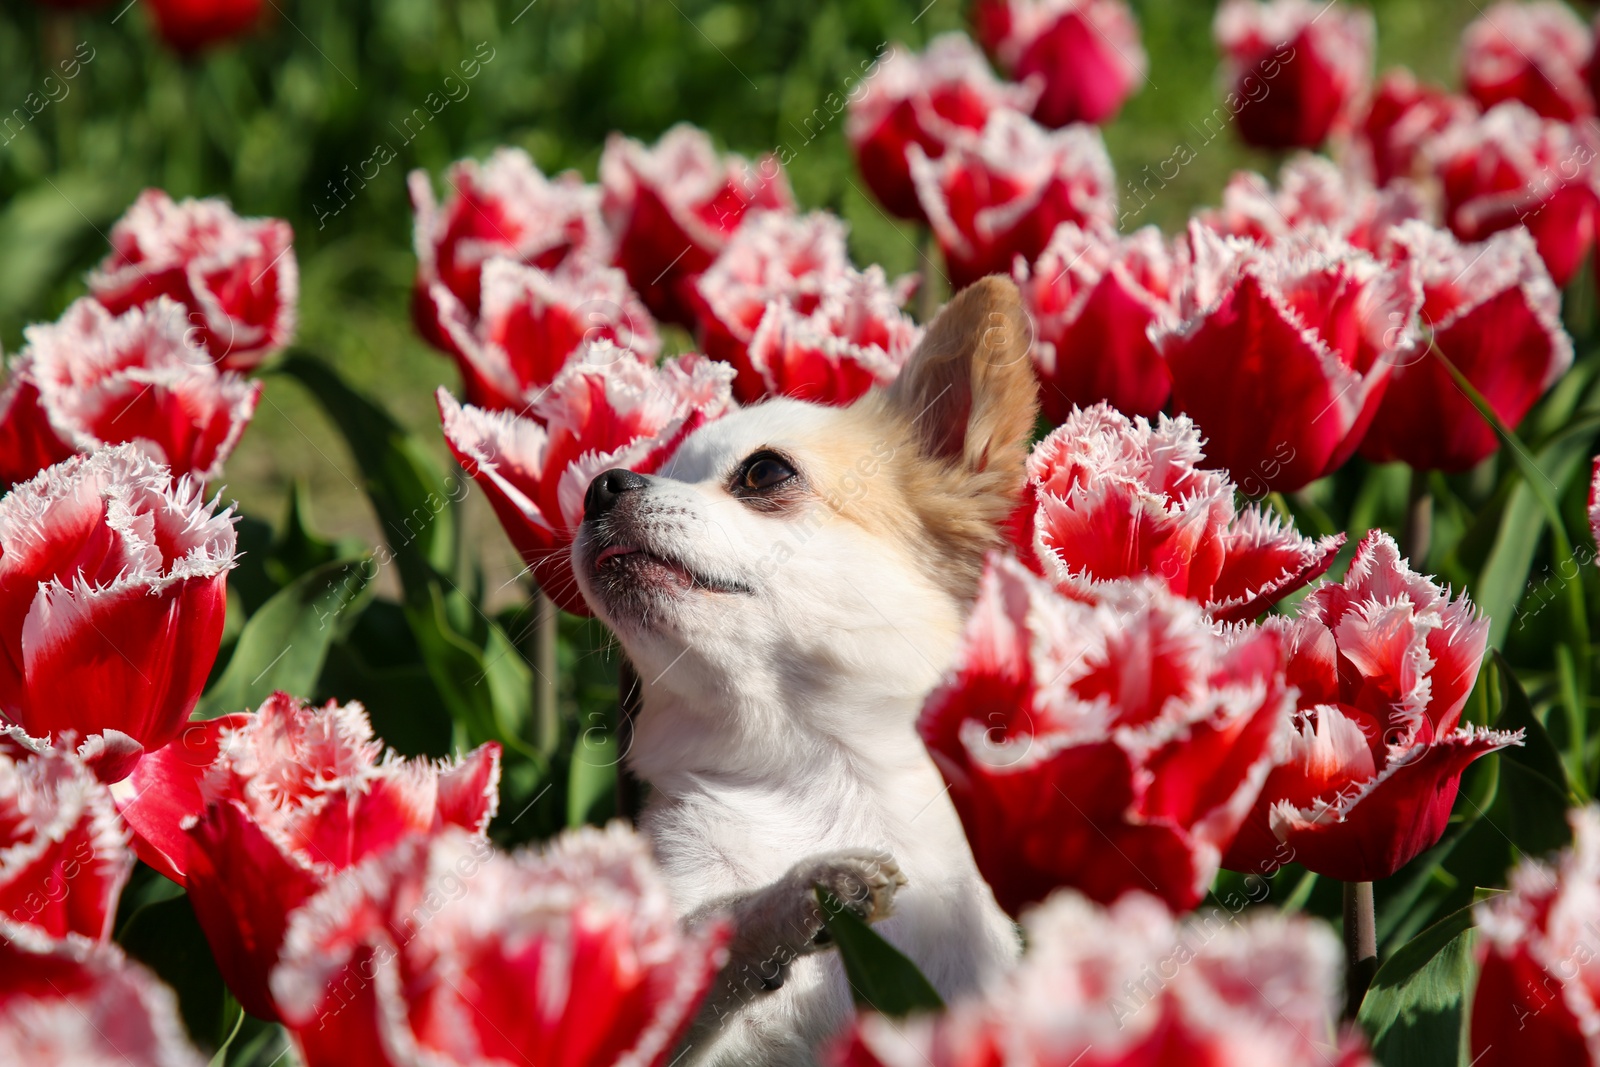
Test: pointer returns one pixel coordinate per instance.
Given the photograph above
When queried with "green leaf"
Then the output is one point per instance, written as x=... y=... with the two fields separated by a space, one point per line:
x=488 y=688
x=409 y=489
x=881 y=977
x=257 y=1044
x=221 y=1058
x=1503 y=581
x=478 y=672
x=1538 y=754
x=1410 y=891
x=1534 y=791
x=298 y=548
x=284 y=644
x=1414 y=1009
x=592 y=773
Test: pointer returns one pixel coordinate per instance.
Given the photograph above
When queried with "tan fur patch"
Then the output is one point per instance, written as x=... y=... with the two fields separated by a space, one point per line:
x=936 y=462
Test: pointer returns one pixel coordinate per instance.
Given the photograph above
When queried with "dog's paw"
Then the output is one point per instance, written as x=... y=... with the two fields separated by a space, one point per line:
x=863 y=880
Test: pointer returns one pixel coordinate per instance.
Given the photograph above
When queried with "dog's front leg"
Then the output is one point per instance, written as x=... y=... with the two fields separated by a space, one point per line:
x=776 y=924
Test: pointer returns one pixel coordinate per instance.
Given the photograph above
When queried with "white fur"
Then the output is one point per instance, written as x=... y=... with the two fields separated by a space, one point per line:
x=778 y=724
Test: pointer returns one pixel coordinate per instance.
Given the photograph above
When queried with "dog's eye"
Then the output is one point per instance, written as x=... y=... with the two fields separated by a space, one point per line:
x=765 y=470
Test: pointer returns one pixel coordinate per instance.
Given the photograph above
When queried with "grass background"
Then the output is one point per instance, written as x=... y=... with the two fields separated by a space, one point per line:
x=274 y=121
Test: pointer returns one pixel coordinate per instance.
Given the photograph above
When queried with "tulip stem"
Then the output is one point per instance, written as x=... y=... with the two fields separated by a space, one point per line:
x=1360 y=944
x=547 y=716
x=1418 y=533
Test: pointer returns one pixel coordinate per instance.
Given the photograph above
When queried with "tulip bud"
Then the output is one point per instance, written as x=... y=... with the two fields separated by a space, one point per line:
x=1297 y=68
x=605 y=410
x=504 y=208
x=237 y=277
x=1536 y=53
x=1119 y=498
x=1001 y=194
x=95 y=379
x=854 y=339
x=1085 y=54
x=575 y=955
x=531 y=323
x=673 y=207
x=254 y=812
x=771 y=256
x=928 y=100
x=1108 y=745
x=64 y=854
x=113 y=590
x=1128 y=984
x=1383 y=662
x=1282 y=353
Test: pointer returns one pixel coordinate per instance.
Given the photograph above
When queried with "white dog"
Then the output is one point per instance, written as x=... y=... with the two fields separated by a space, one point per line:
x=789 y=592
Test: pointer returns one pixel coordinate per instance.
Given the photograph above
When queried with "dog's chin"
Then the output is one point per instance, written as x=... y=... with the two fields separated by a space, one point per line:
x=638 y=586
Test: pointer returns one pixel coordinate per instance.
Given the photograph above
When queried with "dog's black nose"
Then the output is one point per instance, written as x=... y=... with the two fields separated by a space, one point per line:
x=607 y=489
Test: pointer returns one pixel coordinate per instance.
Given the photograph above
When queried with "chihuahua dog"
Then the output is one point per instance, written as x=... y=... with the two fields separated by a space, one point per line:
x=789 y=590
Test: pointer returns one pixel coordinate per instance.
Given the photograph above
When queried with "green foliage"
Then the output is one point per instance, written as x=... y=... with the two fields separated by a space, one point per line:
x=286 y=642
x=881 y=978
x=1415 y=1009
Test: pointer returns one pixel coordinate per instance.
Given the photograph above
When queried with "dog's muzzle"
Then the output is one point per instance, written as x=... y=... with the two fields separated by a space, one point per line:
x=607 y=489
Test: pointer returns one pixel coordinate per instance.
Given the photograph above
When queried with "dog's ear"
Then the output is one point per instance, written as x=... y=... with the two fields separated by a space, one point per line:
x=968 y=392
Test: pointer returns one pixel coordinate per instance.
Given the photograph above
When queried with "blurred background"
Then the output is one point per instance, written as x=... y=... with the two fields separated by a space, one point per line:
x=284 y=119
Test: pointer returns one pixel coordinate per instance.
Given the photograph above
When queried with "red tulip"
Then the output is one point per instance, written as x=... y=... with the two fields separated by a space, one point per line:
x=1511 y=167
x=605 y=410
x=1085 y=53
x=930 y=100
x=1092 y=297
x=95 y=379
x=1384 y=662
x=1129 y=986
x=190 y=25
x=503 y=207
x=854 y=339
x=1315 y=193
x=1106 y=746
x=999 y=195
x=113 y=588
x=237 y=277
x=63 y=852
x=1536 y=999
x=1537 y=53
x=771 y=256
x=1297 y=68
x=1405 y=116
x=255 y=812
x=674 y=206
x=1119 y=498
x=443 y=952
x=28 y=443
x=74 y=1003
x=1491 y=311
x=1283 y=352
x=531 y=323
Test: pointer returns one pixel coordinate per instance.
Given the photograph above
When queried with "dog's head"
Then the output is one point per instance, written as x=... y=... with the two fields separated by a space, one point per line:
x=789 y=541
